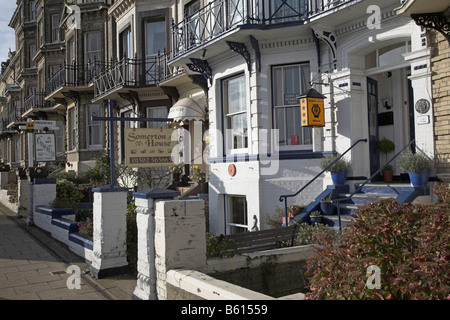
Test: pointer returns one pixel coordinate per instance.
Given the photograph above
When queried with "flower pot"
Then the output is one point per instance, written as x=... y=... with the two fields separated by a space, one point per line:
x=316 y=219
x=388 y=175
x=328 y=208
x=339 y=177
x=419 y=179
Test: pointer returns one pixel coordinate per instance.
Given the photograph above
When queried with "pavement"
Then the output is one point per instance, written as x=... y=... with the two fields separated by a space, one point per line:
x=33 y=266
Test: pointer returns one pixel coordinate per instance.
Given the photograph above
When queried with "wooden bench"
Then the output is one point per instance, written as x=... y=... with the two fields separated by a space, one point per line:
x=261 y=240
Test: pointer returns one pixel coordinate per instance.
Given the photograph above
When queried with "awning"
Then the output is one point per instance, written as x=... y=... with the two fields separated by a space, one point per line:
x=187 y=109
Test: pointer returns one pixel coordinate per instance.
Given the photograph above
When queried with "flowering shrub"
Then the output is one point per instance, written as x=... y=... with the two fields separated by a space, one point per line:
x=197 y=174
x=409 y=243
x=86 y=227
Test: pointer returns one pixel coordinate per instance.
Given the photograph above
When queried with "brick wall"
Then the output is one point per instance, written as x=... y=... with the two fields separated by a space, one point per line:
x=440 y=64
x=271 y=278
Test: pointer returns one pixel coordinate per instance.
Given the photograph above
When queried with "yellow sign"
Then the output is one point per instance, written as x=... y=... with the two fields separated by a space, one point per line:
x=148 y=147
x=30 y=125
x=312 y=112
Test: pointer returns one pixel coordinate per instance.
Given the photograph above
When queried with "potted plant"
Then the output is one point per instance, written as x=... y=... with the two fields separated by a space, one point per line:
x=418 y=167
x=386 y=146
x=338 y=170
x=315 y=217
x=327 y=206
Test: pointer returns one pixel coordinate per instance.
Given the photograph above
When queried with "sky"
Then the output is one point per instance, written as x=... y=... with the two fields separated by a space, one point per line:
x=7 y=39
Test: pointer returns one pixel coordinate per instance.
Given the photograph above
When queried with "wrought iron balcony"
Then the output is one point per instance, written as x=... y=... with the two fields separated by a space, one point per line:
x=132 y=73
x=221 y=16
x=73 y=75
x=15 y=115
x=36 y=100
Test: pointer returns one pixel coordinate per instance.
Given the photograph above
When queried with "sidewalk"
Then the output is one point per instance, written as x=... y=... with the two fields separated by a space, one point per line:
x=33 y=267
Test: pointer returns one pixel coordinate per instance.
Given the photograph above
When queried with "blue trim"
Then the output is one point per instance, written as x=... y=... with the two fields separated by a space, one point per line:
x=65 y=224
x=82 y=240
x=156 y=193
x=44 y=181
x=54 y=212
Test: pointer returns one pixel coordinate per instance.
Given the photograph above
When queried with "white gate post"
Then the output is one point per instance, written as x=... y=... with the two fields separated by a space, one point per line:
x=110 y=227
x=145 y=219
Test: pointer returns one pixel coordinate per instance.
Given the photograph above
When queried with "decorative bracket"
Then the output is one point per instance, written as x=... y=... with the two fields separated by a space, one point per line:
x=240 y=48
x=330 y=40
x=202 y=66
x=73 y=95
x=131 y=97
x=255 y=46
x=61 y=101
x=436 y=21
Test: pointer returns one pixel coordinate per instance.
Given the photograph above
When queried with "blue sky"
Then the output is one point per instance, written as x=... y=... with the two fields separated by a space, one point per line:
x=7 y=40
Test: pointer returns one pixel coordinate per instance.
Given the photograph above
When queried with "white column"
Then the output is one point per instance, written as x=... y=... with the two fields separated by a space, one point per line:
x=110 y=227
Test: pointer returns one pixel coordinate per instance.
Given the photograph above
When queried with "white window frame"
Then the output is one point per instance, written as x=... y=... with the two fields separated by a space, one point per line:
x=230 y=223
x=276 y=107
x=91 y=55
x=94 y=127
x=55 y=36
x=230 y=148
x=163 y=113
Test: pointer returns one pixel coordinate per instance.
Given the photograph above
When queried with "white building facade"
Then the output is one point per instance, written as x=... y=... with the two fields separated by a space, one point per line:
x=259 y=56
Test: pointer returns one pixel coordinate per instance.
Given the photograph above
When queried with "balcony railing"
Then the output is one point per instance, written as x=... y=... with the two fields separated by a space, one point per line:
x=221 y=16
x=133 y=73
x=36 y=100
x=73 y=75
x=15 y=114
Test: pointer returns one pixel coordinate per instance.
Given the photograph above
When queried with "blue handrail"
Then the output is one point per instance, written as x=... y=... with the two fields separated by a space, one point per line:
x=338 y=201
x=317 y=176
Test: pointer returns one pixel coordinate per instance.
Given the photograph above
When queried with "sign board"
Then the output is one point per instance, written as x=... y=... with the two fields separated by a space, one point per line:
x=312 y=112
x=44 y=147
x=41 y=124
x=30 y=126
x=148 y=147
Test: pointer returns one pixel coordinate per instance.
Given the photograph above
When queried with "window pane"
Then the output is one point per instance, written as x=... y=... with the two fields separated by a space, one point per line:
x=291 y=85
x=288 y=82
x=238 y=126
x=280 y=125
x=278 y=86
x=156 y=37
x=157 y=112
x=236 y=95
x=237 y=214
x=94 y=127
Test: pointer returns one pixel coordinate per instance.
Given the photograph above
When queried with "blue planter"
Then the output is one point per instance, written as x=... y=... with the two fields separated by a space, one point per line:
x=316 y=219
x=419 y=179
x=327 y=208
x=339 y=178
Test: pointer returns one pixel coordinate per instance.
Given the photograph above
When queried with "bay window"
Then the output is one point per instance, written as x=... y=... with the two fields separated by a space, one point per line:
x=235 y=113
x=288 y=82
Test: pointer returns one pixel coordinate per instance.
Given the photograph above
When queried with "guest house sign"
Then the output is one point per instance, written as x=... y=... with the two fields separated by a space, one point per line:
x=148 y=147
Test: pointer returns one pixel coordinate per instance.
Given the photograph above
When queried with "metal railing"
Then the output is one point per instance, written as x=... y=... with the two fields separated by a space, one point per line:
x=285 y=197
x=221 y=16
x=15 y=114
x=133 y=73
x=357 y=190
x=74 y=75
x=36 y=100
